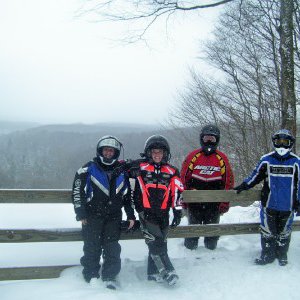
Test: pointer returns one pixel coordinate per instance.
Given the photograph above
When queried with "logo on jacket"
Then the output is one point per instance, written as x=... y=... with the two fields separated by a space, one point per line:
x=281 y=170
x=208 y=170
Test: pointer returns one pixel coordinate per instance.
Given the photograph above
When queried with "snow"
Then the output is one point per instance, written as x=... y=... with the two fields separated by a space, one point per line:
x=225 y=273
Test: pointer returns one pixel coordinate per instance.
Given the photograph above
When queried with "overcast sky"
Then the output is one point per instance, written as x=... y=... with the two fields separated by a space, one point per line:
x=56 y=68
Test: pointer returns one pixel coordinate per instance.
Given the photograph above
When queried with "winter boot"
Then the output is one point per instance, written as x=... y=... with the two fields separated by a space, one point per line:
x=211 y=243
x=155 y=277
x=111 y=284
x=171 y=278
x=283 y=260
x=191 y=243
x=264 y=260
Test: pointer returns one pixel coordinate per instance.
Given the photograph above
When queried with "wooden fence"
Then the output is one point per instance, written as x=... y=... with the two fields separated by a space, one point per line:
x=70 y=234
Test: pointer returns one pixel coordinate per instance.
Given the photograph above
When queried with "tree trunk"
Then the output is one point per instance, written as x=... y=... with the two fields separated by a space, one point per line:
x=288 y=97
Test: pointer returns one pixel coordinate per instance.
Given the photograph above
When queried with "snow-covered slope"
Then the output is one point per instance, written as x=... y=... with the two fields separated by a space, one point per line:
x=226 y=273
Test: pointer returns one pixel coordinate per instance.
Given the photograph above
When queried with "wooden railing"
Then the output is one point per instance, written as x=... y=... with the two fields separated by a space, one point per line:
x=70 y=234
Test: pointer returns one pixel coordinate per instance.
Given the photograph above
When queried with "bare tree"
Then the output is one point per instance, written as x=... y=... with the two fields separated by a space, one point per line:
x=144 y=13
x=288 y=97
x=246 y=102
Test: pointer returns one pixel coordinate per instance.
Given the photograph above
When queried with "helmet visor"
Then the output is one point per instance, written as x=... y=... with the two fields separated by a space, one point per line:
x=110 y=142
x=209 y=139
x=282 y=142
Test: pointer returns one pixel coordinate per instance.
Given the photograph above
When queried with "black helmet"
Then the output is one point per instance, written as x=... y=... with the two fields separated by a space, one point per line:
x=108 y=141
x=283 y=141
x=209 y=146
x=157 y=142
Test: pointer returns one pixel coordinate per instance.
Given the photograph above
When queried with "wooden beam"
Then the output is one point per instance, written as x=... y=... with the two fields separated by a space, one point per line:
x=32 y=272
x=71 y=235
x=43 y=272
x=35 y=196
x=243 y=199
x=64 y=196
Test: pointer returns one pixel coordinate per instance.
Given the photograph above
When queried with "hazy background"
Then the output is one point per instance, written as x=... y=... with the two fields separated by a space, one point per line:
x=58 y=67
x=66 y=69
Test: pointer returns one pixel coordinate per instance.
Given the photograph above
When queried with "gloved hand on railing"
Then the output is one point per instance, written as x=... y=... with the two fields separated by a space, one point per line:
x=125 y=226
x=177 y=217
x=242 y=187
x=223 y=207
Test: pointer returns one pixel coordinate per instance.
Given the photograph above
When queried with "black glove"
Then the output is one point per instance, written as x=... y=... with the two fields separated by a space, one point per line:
x=297 y=210
x=125 y=225
x=177 y=217
x=134 y=168
x=242 y=187
x=121 y=168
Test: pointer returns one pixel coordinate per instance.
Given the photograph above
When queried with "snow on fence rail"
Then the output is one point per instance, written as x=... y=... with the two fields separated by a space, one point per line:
x=70 y=234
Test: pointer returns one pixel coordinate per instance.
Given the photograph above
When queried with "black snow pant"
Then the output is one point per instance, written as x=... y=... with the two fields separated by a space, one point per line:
x=155 y=234
x=276 y=229
x=203 y=213
x=100 y=237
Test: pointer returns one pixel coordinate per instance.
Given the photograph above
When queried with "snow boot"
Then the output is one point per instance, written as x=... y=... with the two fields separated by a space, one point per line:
x=171 y=278
x=191 y=243
x=283 y=260
x=155 y=277
x=210 y=243
x=111 y=284
x=263 y=260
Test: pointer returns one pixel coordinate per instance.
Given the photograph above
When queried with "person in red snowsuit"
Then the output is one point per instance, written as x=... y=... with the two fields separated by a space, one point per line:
x=206 y=169
x=157 y=191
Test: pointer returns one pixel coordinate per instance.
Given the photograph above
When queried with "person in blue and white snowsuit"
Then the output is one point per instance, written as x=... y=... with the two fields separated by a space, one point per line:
x=280 y=196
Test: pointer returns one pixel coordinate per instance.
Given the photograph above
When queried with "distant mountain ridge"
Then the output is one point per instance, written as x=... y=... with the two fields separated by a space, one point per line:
x=47 y=156
x=7 y=127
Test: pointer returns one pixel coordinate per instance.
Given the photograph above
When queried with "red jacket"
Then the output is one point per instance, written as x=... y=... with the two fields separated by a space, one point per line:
x=207 y=172
x=158 y=188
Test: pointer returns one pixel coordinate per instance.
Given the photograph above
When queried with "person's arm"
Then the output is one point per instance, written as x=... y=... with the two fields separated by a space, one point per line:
x=186 y=171
x=128 y=203
x=229 y=177
x=258 y=174
x=177 y=205
x=79 y=195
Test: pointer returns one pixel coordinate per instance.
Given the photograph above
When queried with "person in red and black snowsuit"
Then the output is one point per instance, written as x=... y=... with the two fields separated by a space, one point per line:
x=157 y=189
x=206 y=169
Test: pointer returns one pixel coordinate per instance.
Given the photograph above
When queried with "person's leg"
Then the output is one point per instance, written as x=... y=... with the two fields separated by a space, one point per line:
x=159 y=264
x=111 y=249
x=193 y=218
x=211 y=216
x=284 y=229
x=91 y=248
x=268 y=237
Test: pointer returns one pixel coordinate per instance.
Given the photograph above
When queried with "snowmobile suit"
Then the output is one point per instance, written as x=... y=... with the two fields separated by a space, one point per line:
x=98 y=197
x=158 y=188
x=279 y=198
x=206 y=172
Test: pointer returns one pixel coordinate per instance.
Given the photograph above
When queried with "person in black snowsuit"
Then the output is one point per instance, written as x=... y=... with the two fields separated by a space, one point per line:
x=98 y=197
x=157 y=189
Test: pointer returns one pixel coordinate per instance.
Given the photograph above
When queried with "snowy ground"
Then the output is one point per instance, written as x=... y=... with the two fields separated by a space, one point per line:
x=226 y=273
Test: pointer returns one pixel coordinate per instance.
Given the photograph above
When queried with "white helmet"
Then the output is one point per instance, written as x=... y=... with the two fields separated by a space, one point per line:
x=108 y=141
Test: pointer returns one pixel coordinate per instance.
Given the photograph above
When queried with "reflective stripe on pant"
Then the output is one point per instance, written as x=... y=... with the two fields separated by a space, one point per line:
x=156 y=240
x=276 y=229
